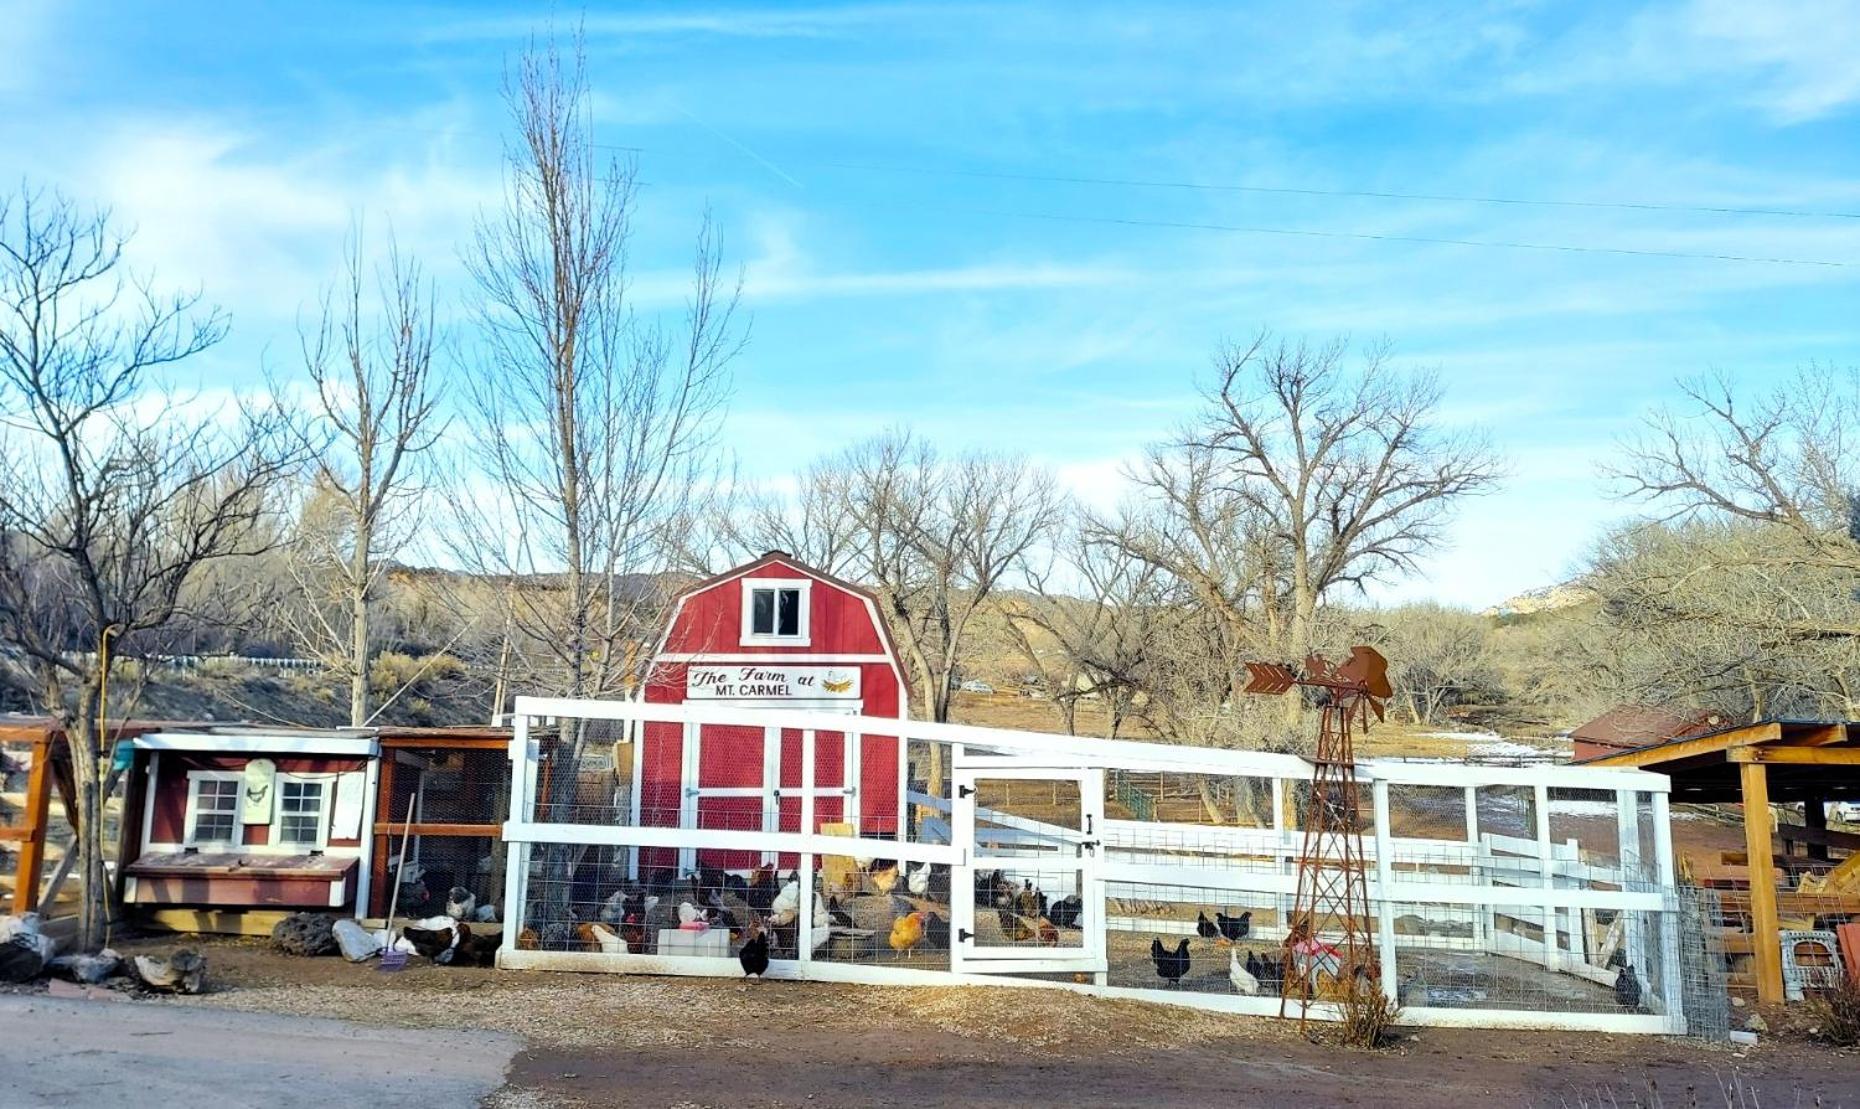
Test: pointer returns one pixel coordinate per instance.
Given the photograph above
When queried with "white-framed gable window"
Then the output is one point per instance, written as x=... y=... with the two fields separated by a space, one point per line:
x=213 y=809
x=302 y=818
x=775 y=611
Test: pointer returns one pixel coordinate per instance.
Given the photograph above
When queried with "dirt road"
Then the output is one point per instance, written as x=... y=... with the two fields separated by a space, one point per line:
x=601 y=1040
x=101 y=1054
x=933 y=1071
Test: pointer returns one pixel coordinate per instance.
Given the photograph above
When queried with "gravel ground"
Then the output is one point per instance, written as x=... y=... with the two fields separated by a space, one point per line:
x=596 y=1040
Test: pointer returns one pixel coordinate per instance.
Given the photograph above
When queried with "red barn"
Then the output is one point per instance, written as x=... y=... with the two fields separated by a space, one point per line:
x=772 y=634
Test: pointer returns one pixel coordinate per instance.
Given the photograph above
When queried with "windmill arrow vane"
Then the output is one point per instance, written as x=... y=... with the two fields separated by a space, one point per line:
x=1269 y=677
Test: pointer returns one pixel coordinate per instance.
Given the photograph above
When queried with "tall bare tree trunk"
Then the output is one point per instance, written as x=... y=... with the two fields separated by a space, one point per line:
x=359 y=582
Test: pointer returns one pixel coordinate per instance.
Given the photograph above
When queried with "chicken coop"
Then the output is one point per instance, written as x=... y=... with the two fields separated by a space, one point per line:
x=773 y=634
x=439 y=807
x=228 y=827
x=1533 y=896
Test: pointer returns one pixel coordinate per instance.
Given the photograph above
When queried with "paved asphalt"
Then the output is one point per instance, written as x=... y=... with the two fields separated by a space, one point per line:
x=151 y=1054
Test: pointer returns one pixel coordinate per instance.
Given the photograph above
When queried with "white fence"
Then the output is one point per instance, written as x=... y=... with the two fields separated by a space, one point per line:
x=1520 y=896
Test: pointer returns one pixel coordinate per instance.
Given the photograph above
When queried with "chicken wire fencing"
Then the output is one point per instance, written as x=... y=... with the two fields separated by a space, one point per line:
x=705 y=840
x=16 y=759
x=438 y=829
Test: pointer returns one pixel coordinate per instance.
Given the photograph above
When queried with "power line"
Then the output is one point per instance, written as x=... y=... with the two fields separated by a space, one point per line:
x=1502 y=244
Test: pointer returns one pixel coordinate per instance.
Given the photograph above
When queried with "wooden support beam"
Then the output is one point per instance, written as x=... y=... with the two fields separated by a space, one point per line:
x=1815 y=815
x=38 y=812
x=1750 y=735
x=1829 y=736
x=482 y=831
x=1796 y=756
x=1763 y=922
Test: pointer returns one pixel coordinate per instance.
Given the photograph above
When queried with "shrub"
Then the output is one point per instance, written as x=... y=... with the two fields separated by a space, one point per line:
x=1368 y=1015
x=392 y=670
x=1837 y=1014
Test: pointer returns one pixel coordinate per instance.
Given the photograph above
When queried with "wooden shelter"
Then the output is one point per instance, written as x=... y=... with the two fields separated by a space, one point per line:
x=34 y=765
x=1774 y=762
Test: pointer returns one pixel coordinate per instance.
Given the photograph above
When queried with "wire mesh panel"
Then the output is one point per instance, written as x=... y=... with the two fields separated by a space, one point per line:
x=1189 y=937
x=1525 y=892
x=438 y=829
x=878 y=912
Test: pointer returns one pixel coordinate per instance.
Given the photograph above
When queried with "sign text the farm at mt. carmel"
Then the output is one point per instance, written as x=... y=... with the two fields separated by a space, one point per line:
x=772 y=683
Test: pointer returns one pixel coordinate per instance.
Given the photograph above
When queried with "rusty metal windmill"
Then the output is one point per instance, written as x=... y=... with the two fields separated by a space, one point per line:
x=1327 y=934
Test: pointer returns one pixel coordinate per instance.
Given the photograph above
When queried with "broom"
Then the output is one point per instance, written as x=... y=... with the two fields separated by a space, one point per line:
x=392 y=958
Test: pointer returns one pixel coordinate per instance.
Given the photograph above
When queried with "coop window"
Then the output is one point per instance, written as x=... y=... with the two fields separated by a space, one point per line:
x=213 y=810
x=301 y=807
x=775 y=612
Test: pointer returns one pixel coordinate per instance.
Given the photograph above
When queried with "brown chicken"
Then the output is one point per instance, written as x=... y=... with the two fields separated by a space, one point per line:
x=1049 y=935
x=1017 y=928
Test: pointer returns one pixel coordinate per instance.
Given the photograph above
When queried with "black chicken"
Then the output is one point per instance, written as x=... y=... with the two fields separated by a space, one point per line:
x=1171 y=965
x=936 y=932
x=1066 y=911
x=1204 y=927
x=1234 y=928
x=1269 y=971
x=1627 y=988
x=755 y=952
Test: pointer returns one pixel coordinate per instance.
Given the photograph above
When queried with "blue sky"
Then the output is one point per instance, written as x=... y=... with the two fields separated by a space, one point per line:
x=867 y=165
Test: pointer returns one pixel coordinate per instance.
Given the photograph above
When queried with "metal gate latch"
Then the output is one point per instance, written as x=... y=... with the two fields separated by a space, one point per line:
x=965 y=791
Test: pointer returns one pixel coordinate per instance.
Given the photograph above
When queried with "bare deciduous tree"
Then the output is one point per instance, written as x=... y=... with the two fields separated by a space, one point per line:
x=1742 y=592
x=937 y=539
x=593 y=426
x=113 y=494
x=1345 y=470
x=1438 y=656
x=375 y=418
x=1093 y=626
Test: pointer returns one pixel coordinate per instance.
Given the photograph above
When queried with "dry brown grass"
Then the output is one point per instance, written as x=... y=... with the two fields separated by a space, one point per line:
x=1837 y=1014
x=1369 y=1016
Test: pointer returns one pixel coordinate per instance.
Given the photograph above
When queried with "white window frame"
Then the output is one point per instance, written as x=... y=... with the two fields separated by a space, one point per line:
x=194 y=778
x=803 y=629
x=325 y=812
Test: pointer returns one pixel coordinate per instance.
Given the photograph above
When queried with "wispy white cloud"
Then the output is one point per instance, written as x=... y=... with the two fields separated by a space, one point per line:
x=1793 y=61
x=211 y=206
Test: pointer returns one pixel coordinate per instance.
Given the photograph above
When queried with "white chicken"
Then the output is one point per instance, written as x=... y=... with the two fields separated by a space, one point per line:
x=1243 y=981
x=687 y=912
x=611 y=944
x=918 y=882
x=613 y=911
x=787 y=904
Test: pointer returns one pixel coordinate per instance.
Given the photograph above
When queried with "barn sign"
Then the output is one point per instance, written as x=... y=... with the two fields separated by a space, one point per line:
x=772 y=683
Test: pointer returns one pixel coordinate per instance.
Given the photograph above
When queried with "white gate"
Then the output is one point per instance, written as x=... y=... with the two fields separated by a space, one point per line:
x=1031 y=833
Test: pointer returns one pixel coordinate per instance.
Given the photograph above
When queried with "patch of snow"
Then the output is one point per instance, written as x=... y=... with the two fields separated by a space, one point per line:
x=1491 y=745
